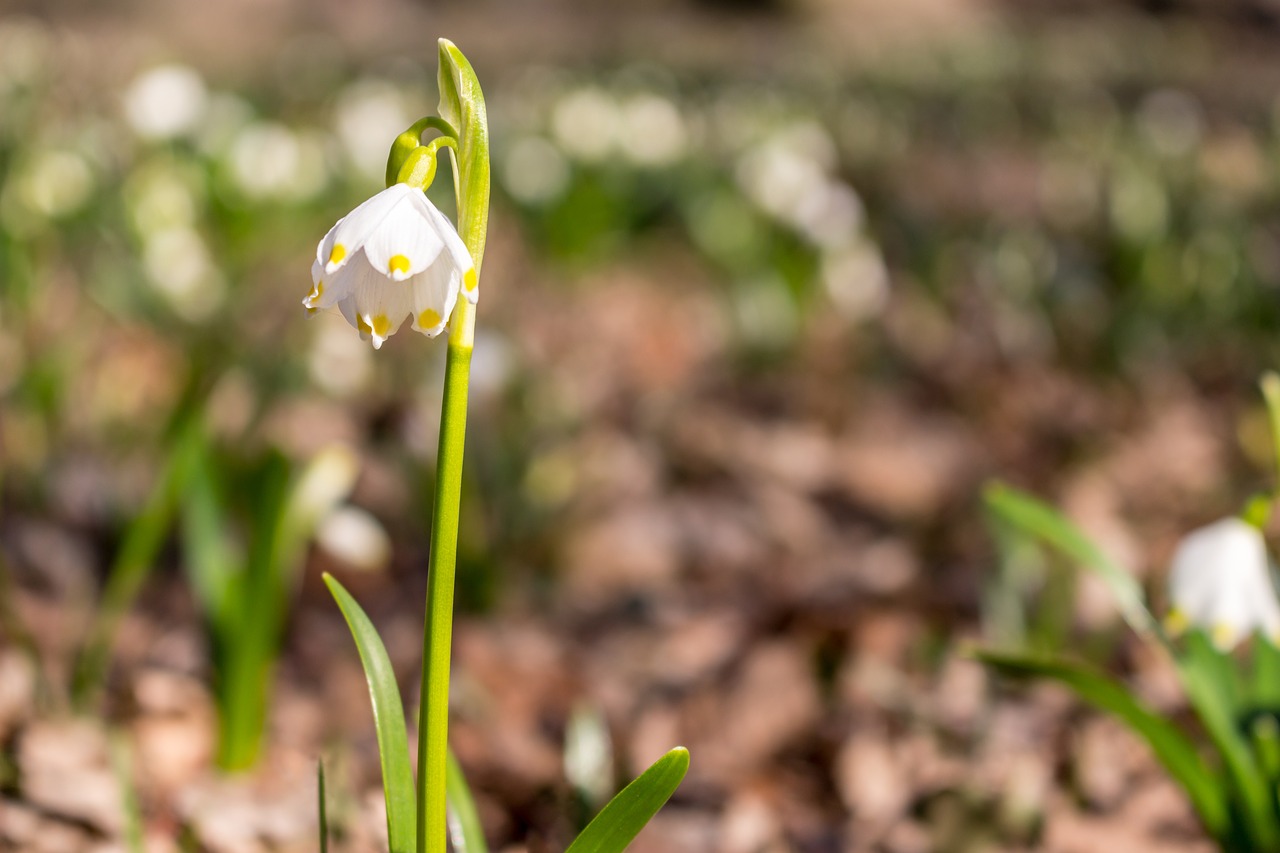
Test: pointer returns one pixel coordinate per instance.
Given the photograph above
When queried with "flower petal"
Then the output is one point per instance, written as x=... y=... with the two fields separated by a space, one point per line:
x=456 y=247
x=435 y=292
x=406 y=242
x=348 y=236
x=380 y=304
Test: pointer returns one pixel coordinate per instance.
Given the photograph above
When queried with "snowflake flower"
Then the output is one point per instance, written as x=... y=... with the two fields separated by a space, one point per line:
x=1221 y=581
x=394 y=256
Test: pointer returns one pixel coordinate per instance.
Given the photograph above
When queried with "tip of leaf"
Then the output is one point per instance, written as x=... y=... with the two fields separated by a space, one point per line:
x=677 y=757
x=993 y=489
x=332 y=583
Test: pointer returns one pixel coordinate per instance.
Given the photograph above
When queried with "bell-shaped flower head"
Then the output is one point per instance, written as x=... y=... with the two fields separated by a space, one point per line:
x=1221 y=581
x=394 y=256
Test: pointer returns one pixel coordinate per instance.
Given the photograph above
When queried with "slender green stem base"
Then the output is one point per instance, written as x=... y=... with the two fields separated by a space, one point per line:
x=433 y=719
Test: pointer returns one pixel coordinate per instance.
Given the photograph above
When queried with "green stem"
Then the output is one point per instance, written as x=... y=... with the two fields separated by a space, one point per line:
x=433 y=713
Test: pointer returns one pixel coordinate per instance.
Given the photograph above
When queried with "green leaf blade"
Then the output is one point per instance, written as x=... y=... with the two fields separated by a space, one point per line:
x=465 y=831
x=1171 y=747
x=1040 y=520
x=388 y=720
x=621 y=820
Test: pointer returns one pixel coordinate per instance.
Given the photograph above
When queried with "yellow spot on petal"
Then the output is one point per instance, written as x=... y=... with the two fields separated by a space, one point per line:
x=317 y=291
x=363 y=325
x=398 y=263
x=1175 y=622
x=469 y=280
x=311 y=312
x=381 y=325
x=429 y=319
x=339 y=252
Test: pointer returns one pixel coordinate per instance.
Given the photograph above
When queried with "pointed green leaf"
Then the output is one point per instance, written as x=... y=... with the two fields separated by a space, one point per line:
x=1036 y=518
x=621 y=820
x=1170 y=745
x=388 y=720
x=465 y=831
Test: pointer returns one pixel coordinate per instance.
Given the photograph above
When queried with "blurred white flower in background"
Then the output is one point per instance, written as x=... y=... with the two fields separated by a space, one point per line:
x=368 y=113
x=790 y=176
x=338 y=362
x=1220 y=581
x=165 y=102
x=226 y=115
x=271 y=161
x=354 y=537
x=326 y=480
x=535 y=171
x=857 y=280
x=181 y=269
x=1172 y=121
x=652 y=132
x=492 y=364
x=159 y=196
x=53 y=183
x=586 y=123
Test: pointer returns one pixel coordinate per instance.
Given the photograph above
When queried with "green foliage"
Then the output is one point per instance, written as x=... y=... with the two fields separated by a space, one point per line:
x=246 y=591
x=465 y=832
x=1038 y=520
x=136 y=558
x=1171 y=747
x=388 y=720
x=1236 y=799
x=621 y=820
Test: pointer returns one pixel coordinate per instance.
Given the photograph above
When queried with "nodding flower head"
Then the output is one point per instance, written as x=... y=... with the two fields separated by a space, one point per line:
x=1221 y=581
x=394 y=256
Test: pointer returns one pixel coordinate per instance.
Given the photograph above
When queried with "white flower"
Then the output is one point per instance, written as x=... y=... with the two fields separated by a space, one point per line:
x=394 y=256
x=1220 y=581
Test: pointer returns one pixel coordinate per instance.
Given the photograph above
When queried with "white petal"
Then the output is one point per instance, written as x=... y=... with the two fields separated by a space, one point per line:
x=1220 y=581
x=406 y=242
x=329 y=290
x=348 y=308
x=346 y=238
x=380 y=304
x=457 y=248
x=435 y=292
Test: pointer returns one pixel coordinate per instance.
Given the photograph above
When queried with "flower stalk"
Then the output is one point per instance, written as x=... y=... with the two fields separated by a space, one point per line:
x=461 y=107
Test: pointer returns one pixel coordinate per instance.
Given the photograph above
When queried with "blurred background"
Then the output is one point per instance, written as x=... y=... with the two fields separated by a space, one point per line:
x=772 y=288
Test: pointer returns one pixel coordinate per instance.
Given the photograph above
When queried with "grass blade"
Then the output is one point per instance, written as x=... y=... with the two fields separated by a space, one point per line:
x=464 y=823
x=388 y=720
x=621 y=820
x=322 y=809
x=122 y=768
x=135 y=559
x=1171 y=747
x=1036 y=518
